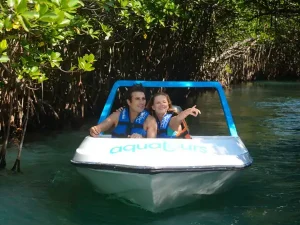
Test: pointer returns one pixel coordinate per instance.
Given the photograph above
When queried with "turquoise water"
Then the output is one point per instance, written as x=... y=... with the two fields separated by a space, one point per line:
x=267 y=116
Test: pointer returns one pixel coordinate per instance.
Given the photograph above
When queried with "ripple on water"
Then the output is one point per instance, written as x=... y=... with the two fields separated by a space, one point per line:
x=285 y=118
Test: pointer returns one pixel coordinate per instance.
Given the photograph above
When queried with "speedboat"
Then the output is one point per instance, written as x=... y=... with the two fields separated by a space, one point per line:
x=159 y=174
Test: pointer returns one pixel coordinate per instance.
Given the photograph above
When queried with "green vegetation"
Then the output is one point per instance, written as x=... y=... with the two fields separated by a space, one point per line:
x=58 y=58
x=33 y=37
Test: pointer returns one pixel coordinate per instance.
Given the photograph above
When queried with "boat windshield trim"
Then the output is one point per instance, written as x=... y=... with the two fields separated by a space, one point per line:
x=172 y=84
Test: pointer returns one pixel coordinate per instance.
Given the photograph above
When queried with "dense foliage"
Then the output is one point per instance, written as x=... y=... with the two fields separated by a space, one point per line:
x=58 y=58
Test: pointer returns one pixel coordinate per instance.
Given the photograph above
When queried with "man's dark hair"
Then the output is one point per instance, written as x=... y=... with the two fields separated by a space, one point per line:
x=134 y=88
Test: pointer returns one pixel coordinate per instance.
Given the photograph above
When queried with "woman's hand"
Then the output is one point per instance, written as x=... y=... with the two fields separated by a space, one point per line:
x=194 y=111
x=177 y=120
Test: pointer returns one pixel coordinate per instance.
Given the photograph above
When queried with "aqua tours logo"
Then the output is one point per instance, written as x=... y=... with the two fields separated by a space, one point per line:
x=163 y=146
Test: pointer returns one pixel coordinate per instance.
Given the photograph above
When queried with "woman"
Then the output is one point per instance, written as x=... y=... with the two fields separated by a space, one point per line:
x=170 y=124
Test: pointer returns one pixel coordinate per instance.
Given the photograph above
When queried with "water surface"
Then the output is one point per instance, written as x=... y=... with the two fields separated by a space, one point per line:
x=267 y=116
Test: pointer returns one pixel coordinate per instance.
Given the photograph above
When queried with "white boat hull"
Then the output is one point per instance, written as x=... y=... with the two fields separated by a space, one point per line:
x=159 y=192
x=158 y=174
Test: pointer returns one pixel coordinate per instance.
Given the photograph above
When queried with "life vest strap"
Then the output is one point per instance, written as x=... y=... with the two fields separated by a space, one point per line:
x=125 y=127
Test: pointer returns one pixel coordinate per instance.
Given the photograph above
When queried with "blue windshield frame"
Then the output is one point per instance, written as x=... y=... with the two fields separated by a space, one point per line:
x=172 y=84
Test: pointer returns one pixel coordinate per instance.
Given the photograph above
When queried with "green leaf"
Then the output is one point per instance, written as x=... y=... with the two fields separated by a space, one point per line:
x=60 y=16
x=1 y=25
x=85 y=62
x=68 y=15
x=65 y=22
x=4 y=58
x=81 y=64
x=55 y=55
x=162 y=23
x=43 y=9
x=54 y=64
x=64 y=4
x=49 y=17
x=23 y=60
x=228 y=69
x=37 y=7
x=22 y=7
x=73 y=3
x=60 y=37
x=56 y=2
x=3 y=45
x=26 y=46
x=11 y=3
x=30 y=14
x=42 y=78
x=34 y=69
x=91 y=58
x=23 y=22
x=123 y=3
x=55 y=59
x=107 y=30
x=7 y=23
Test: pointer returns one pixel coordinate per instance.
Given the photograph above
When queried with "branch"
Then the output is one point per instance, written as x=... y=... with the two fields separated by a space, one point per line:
x=67 y=71
x=282 y=12
x=7 y=70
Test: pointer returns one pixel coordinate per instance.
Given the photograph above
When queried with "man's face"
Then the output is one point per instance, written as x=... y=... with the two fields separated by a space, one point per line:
x=138 y=102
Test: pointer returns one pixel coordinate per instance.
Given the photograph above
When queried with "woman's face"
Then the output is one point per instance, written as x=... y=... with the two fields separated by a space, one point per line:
x=160 y=104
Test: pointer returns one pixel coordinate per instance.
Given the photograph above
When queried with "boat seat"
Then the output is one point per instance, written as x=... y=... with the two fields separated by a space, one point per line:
x=178 y=109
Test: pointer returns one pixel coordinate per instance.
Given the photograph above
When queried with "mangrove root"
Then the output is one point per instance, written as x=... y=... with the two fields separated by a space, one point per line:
x=2 y=161
x=17 y=166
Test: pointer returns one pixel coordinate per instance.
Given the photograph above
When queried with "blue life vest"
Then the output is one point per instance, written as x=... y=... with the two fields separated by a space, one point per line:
x=162 y=127
x=125 y=127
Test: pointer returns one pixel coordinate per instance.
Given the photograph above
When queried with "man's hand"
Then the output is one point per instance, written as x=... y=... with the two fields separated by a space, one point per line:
x=135 y=135
x=151 y=127
x=109 y=122
x=119 y=109
x=95 y=131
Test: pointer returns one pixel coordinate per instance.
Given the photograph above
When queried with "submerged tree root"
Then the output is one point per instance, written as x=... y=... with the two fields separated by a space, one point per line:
x=17 y=166
x=2 y=161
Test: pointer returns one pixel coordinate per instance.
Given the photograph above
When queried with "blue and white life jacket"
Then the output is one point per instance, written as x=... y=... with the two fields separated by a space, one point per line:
x=125 y=127
x=162 y=127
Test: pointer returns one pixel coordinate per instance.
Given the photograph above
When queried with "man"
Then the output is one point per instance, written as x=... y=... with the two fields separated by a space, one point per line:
x=132 y=122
